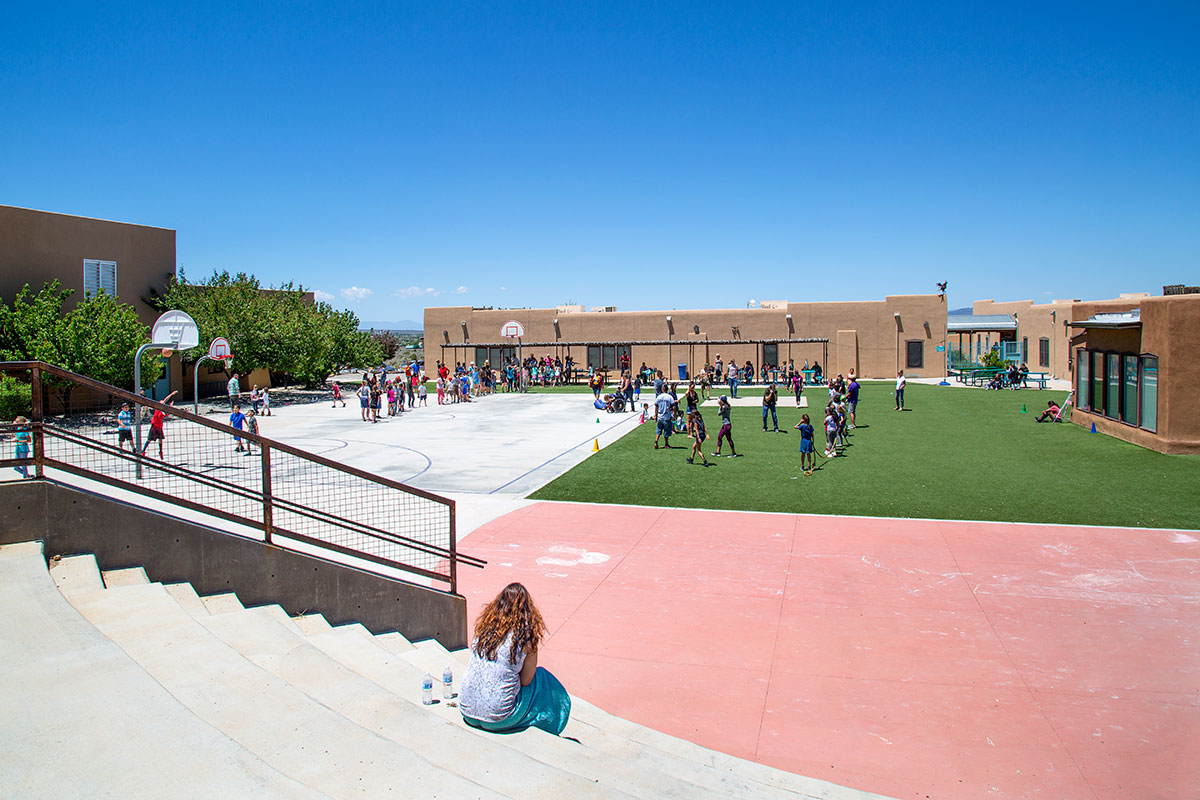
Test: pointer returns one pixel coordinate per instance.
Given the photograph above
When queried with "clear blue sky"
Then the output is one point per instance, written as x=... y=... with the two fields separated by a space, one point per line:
x=643 y=155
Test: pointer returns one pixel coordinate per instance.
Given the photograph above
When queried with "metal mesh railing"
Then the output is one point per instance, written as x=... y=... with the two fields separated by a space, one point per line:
x=297 y=499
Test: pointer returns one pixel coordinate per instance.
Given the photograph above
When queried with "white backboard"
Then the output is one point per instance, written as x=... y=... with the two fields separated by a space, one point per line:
x=175 y=329
x=512 y=330
x=219 y=348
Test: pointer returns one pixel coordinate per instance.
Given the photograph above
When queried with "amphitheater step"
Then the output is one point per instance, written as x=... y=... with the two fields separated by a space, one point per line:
x=88 y=721
x=223 y=603
x=186 y=596
x=279 y=650
x=402 y=678
x=76 y=574
x=394 y=642
x=130 y=576
x=258 y=710
x=311 y=623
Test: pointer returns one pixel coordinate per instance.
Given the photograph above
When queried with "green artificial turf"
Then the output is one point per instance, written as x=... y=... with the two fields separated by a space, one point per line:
x=955 y=454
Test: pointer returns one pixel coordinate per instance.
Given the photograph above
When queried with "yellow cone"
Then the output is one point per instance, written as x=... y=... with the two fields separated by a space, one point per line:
x=596 y=446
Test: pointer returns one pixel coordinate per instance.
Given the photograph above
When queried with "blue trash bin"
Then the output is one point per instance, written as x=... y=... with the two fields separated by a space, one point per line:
x=682 y=371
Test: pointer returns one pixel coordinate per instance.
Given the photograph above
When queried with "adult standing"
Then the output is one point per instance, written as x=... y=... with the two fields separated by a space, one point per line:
x=768 y=404
x=664 y=415
x=852 y=397
x=233 y=389
x=900 y=390
x=732 y=371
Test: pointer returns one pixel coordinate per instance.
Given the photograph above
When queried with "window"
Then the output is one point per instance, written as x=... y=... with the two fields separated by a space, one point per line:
x=1112 y=375
x=915 y=352
x=99 y=277
x=1043 y=352
x=1024 y=349
x=771 y=354
x=1149 y=400
x=607 y=356
x=1082 y=380
x=1129 y=389
x=1097 y=398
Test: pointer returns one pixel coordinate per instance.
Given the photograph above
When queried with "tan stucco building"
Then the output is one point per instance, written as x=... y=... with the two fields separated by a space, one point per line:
x=874 y=338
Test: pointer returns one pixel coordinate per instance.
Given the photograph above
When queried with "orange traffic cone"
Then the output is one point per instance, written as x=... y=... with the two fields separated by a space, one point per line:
x=596 y=446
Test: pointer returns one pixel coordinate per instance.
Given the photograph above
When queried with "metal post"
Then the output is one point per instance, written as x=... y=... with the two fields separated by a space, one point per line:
x=137 y=411
x=36 y=411
x=453 y=551
x=268 y=506
x=196 y=384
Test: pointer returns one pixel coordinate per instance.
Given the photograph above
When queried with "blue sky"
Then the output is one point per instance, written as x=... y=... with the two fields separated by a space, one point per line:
x=643 y=155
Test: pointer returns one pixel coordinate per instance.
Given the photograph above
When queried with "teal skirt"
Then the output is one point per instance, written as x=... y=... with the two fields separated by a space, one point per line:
x=544 y=704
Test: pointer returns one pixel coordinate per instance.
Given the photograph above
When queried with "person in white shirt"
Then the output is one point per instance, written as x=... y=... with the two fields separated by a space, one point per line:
x=900 y=390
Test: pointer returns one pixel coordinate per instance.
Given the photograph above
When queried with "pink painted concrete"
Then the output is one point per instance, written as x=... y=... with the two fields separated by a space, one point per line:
x=906 y=657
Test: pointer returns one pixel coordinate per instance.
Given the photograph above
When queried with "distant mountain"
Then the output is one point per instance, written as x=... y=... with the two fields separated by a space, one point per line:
x=963 y=310
x=402 y=325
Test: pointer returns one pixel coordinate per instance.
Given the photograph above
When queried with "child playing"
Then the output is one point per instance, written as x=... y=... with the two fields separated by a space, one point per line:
x=831 y=426
x=24 y=439
x=423 y=393
x=251 y=427
x=156 y=427
x=337 y=395
x=698 y=434
x=237 y=419
x=726 y=431
x=808 y=452
x=266 y=400
x=124 y=427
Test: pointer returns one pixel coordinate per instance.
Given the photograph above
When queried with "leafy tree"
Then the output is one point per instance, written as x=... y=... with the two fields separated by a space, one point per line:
x=277 y=329
x=97 y=338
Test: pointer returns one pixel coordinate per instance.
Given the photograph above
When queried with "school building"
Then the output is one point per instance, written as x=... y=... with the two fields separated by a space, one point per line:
x=90 y=256
x=1132 y=360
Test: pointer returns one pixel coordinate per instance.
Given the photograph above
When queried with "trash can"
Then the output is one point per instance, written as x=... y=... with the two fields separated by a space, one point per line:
x=682 y=371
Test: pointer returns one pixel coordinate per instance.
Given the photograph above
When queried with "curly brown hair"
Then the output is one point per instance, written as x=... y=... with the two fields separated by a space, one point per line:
x=512 y=612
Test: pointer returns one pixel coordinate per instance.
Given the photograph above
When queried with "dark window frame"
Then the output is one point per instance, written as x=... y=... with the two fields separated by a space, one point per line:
x=1044 y=352
x=908 y=354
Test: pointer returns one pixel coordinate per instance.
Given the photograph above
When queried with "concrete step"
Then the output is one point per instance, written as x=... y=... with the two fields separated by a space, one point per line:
x=81 y=719
x=223 y=603
x=631 y=741
x=74 y=574
x=311 y=623
x=394 y=642
x=259 y=710
x=130 y=576
x=290 y=656
x=187 y=598
x=402 y=678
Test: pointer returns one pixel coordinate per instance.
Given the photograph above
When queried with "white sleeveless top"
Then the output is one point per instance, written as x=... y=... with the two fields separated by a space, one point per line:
x=489 y=689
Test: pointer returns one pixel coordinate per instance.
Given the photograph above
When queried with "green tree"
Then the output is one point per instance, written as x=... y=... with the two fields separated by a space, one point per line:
x=97 y=338
x=388 y=343
x=278 y=329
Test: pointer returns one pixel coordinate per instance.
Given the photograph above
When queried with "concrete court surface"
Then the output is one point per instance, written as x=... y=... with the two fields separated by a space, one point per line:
x=912 y=658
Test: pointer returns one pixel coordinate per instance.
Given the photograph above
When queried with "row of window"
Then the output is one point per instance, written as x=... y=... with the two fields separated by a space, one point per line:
x=1121 y=386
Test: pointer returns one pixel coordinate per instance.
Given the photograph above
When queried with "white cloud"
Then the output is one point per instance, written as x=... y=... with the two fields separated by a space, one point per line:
x=323 y=297
x=416 y=291
x=460 y=290
x=356 y=293
x=504 y=288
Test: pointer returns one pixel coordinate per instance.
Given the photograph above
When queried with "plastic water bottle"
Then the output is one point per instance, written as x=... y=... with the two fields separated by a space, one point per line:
x=427 y=689
x=447 y=683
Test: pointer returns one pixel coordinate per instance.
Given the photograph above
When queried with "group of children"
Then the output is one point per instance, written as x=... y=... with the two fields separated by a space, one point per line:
x=669 y=418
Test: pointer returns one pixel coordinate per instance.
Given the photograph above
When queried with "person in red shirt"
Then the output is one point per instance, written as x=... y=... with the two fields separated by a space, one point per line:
x=156 y=427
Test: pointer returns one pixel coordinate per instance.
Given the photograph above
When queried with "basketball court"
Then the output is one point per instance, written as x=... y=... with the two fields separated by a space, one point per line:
x=912 y=658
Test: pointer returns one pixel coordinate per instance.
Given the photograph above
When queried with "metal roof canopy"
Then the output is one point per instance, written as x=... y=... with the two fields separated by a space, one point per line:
x=1128 y=319
x=969 y=323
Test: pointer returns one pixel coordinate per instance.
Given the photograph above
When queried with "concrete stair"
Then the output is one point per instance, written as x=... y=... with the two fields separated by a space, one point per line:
x=336 y=711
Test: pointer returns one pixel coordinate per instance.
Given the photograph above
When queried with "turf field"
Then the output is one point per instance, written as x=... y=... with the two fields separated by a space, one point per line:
x=955 y=454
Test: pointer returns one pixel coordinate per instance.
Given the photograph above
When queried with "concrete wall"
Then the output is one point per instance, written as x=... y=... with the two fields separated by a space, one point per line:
x=1170 y=330
x=172 y=550
x=39 y=246
x=867 y=336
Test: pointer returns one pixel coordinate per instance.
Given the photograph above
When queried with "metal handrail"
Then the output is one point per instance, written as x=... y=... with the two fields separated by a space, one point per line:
x=269 y=500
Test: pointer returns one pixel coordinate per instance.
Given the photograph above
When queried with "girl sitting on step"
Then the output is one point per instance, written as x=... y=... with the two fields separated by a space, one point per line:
x=504 y=689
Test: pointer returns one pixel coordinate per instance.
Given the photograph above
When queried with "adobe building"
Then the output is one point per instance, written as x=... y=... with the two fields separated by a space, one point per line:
x=1136 y=371
x=873 y=338
x=88 y=255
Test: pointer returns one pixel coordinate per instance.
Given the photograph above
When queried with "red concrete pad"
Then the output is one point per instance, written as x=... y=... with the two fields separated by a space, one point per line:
x=905 y=657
